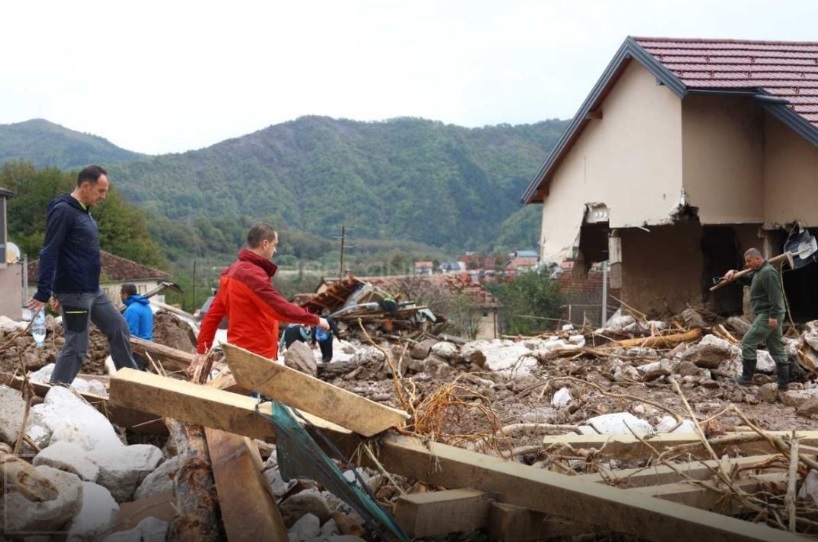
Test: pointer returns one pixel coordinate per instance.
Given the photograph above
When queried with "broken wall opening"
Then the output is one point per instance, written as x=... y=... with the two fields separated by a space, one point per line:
x=662 y=267
x=800 y=285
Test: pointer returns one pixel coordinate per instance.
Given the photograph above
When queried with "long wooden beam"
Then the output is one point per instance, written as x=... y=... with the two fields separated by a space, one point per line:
x=199 y=405
x=310 y=394
x=171 y=358
x=626 y=447
x=566 y=496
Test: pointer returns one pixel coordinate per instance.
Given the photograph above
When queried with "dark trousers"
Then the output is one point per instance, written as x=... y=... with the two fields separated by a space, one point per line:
x=78 y=311
x=326 y=349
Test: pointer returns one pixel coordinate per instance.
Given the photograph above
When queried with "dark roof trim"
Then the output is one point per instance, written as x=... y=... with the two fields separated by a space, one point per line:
x=6 y=193
x=785 y=114
x=629 y=50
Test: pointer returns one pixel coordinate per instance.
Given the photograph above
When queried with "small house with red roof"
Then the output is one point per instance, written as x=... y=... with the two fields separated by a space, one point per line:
x=685 y=153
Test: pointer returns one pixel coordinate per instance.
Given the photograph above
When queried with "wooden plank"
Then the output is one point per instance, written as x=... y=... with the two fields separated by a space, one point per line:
x=566 y=496
x=248 y=508
x=662 y=474
x=199 y=405
x=437 y=513
x=171 y=359
x=309 y=394
x=625 y=447
x=707 y=499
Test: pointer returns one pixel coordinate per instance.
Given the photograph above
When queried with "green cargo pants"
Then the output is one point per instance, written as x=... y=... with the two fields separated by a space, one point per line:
x=760 y=332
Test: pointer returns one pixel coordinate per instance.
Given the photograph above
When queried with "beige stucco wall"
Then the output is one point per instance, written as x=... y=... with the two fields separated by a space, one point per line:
x=487 y=327
x=790 y=177
x=630 y=160
x=723 y=158
x=11 y=284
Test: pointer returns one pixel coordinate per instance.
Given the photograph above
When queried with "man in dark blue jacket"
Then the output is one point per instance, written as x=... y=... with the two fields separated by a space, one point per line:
x=69 y=270
x=137 y=312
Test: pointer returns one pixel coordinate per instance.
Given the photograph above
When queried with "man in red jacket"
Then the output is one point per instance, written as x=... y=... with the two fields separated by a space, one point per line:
x=252 y=306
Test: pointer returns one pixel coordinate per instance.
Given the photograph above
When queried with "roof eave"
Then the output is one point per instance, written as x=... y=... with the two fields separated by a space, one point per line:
x=630 y=49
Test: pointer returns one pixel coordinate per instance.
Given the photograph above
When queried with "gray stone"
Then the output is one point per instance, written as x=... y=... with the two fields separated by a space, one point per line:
x=309 y=501
x=445 y=350
x=306 y=528
x=122 y=470
x=150 y=529
x=21 y=514
x=300 y=357
x=159 y=481
x=11 y=415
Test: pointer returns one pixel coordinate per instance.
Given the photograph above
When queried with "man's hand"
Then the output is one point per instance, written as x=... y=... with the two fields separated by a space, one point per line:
x=729 y=274
x=35 y=306
x=197 y=362
x=55 y=304
x=773 y=323
x=322 y=323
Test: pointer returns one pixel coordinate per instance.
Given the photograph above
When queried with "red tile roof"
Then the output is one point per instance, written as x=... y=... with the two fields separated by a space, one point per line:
x=786 y=70
x=781 y=76
x=114 y=269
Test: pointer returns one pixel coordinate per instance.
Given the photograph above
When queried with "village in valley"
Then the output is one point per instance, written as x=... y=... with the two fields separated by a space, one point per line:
x=619 y=418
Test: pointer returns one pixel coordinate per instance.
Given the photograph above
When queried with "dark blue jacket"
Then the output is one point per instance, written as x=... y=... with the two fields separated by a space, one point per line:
x=139 y=316
x=69 y=259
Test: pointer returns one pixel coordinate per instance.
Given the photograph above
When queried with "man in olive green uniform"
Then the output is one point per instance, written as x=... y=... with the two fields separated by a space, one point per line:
x=767 y=301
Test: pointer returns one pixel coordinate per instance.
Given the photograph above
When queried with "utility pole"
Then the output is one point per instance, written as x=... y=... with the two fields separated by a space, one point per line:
x=343 y=240
x=604 y=293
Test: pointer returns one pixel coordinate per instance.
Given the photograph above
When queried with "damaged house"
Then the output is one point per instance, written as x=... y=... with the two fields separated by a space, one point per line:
x=686 y=153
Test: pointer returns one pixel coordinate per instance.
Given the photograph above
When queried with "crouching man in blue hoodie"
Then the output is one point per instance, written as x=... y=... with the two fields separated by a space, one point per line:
x=137 y=312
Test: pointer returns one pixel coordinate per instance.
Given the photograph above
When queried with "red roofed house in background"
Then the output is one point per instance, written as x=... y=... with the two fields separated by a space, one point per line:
x=115 y=271
x=686 y=153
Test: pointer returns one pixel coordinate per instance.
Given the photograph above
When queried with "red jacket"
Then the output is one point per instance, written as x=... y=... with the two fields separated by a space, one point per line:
x=252 y=306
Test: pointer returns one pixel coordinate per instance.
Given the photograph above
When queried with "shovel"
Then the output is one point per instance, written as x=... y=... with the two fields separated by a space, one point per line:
x=795 y=259
x=164 y=285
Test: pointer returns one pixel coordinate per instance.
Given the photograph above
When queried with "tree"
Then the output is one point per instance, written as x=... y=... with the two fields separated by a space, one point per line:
x=529 y=302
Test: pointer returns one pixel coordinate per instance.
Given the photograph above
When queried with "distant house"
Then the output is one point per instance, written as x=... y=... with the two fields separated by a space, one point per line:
x=424 y=268
x=452 y=267
x=115 y=272
x=11 y=272
x=685 y=153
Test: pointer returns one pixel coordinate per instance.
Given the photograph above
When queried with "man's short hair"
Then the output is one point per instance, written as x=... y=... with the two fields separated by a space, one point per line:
x=260 y=232
x=754 y=252
x=128 y=289
x=90 y=174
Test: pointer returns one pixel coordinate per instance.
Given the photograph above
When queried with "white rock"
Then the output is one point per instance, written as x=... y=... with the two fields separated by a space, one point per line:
x=11 y=326
x=150 y=529
x=97 y=515
x=307 y=501
x=70 y=418
x=567 y=327
x=121 y=470
x=11 y=415
x=667 y=423
x=809 y=490
x=538 y=415
x=577 y=340
x=330 y=528
x=444 y=349
x=308 y=527
x=620 y=423
x=561 y=398
x=70 y=457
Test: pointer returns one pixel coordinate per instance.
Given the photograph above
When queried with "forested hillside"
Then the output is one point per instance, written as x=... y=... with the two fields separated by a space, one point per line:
x=404 y=179
x=45 y=144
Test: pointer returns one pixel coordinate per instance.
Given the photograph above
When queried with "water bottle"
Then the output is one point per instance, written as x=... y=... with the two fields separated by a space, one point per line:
x=38 y=328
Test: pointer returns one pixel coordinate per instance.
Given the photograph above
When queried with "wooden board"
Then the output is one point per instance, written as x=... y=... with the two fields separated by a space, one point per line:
x=248 y=508
x=309 y=394
x=171 y=359
x=199 y=405
x=625 y=447
x=566 y=496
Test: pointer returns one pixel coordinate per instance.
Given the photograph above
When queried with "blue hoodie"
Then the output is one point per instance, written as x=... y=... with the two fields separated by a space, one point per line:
x=139 y=316
x=69 y=259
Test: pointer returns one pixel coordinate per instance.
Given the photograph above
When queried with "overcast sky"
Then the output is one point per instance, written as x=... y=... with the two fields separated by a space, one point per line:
x=177 y=75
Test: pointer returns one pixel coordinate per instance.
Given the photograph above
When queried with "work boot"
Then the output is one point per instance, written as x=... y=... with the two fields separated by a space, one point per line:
x=783 y=376
x=748 y=367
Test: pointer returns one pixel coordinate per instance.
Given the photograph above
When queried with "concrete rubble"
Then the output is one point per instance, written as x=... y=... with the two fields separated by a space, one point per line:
x=572 y=382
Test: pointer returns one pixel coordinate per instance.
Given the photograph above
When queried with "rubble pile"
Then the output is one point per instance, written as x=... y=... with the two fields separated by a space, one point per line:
x=531 y=400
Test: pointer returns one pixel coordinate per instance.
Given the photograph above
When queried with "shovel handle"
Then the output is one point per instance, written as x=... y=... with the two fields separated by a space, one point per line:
x=788 y=256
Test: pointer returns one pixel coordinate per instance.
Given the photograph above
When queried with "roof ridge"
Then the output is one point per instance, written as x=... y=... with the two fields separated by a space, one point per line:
x=722 y=40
